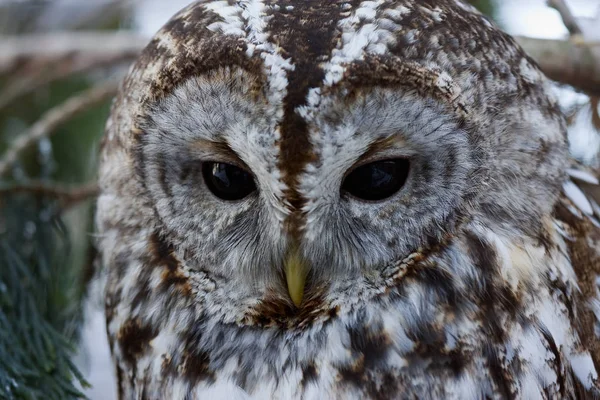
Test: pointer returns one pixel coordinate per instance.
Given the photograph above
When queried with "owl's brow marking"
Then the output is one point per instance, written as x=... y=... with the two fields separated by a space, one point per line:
x=375 y=70
x=378 y=146
x=172 y=48
x=218 y=152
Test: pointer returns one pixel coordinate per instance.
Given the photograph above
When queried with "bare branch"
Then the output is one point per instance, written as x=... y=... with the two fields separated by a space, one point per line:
x=19 y=86
x=581 y=42
x=37 y=60
x=566 y=15
x=54 y=117
x=65 y=194
x=564 y=62
x=93 y=47
x=580 y=32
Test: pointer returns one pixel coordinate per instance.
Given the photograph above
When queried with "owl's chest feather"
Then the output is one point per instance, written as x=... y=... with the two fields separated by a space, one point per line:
x=484 y=317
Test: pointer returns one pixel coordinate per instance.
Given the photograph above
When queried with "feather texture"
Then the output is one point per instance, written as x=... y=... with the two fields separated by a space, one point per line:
x=477 y=279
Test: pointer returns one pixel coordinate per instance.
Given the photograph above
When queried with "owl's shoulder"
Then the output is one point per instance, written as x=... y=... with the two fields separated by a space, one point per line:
x=577 y=216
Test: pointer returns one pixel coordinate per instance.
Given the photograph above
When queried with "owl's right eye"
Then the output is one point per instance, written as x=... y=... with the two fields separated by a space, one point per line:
x=227 y=181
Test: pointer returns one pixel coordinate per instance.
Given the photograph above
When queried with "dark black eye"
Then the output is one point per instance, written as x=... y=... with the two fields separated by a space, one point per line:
x=227 y=181
x=377 y=180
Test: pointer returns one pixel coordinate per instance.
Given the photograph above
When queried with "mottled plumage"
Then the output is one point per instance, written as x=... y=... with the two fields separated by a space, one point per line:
x=476 y=280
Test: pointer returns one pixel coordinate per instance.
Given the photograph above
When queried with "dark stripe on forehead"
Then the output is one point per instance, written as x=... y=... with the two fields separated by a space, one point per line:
x=305 y=31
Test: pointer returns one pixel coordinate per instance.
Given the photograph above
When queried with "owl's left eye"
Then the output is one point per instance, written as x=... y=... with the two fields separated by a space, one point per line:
x=377 y=180
x=227 y=181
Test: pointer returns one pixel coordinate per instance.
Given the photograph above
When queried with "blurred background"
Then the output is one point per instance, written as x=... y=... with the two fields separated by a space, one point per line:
x=60 y=62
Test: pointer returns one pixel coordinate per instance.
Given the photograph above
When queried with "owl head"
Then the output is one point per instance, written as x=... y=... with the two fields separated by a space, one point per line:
x=298 y=155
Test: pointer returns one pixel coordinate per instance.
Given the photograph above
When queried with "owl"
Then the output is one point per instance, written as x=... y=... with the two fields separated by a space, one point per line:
x=309 y=199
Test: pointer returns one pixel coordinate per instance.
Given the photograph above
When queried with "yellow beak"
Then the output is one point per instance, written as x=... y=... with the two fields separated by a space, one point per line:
x=295 y=274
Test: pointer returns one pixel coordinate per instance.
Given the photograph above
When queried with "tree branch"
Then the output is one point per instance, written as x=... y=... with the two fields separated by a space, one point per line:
x=44 y=75
x=91 y=47
x=54 y=117
x=565 y=62
x=566 y=15
x=67 y=195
